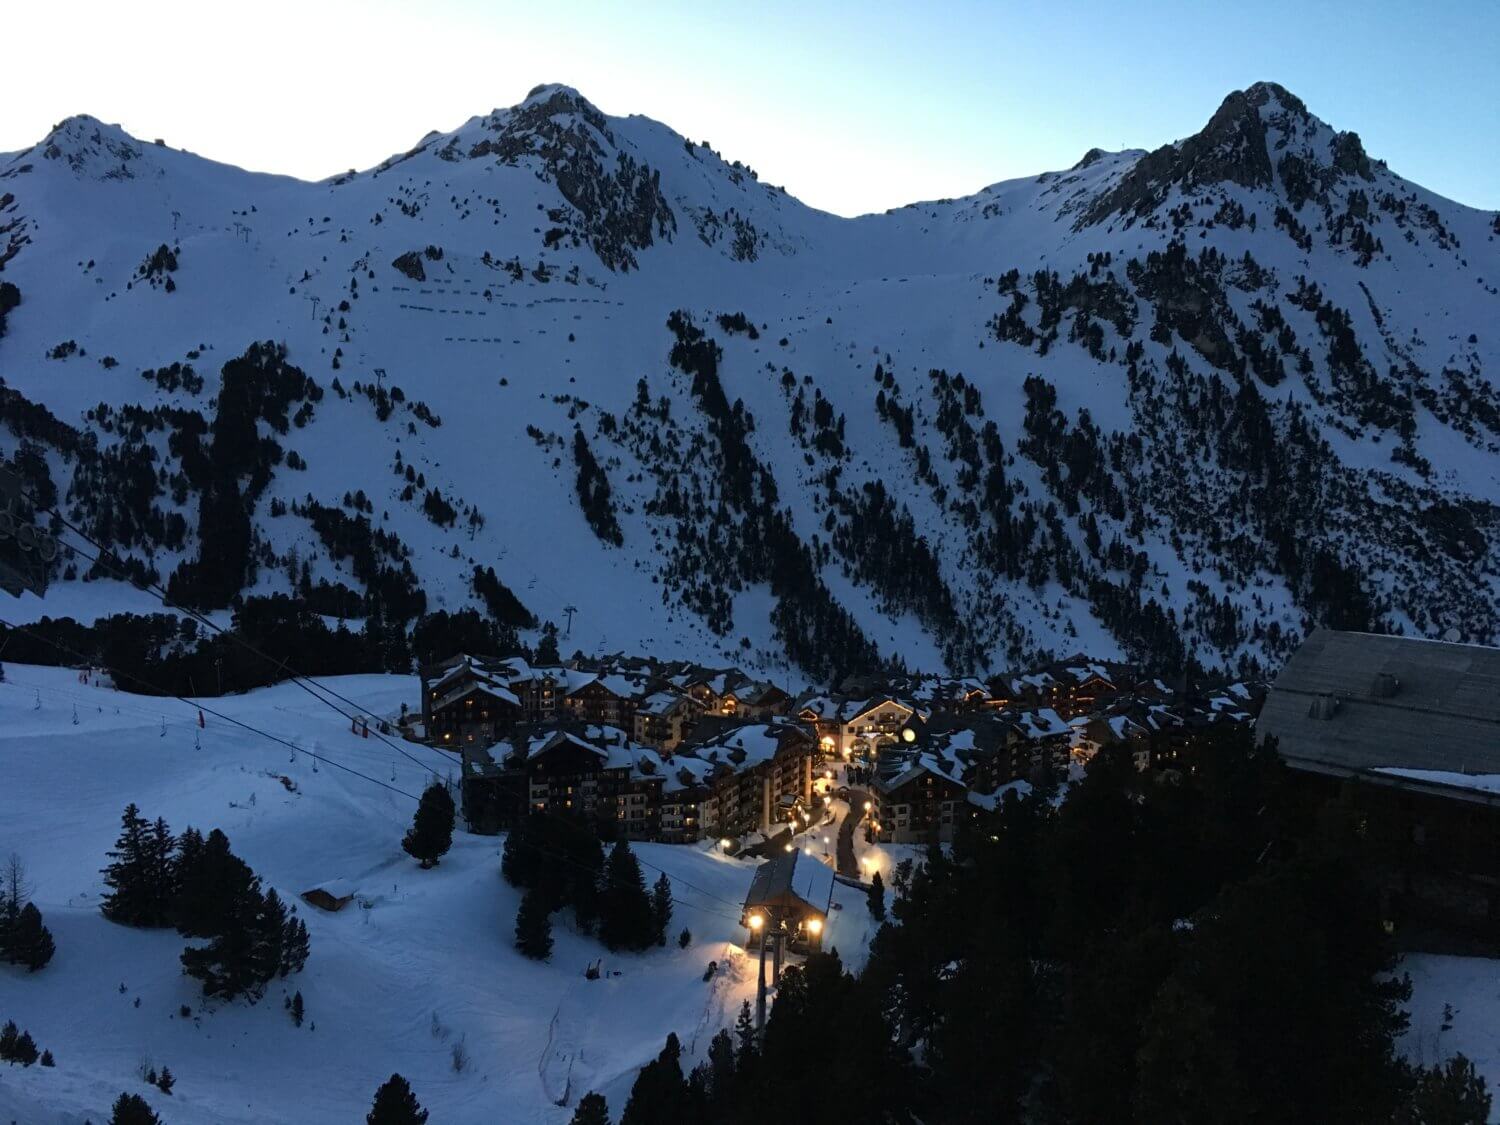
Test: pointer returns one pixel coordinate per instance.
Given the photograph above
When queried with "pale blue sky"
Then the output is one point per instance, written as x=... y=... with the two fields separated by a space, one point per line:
x=852 y=107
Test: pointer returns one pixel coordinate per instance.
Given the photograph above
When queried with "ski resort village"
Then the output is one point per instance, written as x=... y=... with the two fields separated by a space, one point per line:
x=546 y=626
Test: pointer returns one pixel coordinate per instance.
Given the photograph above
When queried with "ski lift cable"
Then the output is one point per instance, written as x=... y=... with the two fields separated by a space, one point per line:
x=199 y=706
x=308 y=685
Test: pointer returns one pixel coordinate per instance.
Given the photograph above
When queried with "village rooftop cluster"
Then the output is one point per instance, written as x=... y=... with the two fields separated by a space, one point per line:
x=676 y=753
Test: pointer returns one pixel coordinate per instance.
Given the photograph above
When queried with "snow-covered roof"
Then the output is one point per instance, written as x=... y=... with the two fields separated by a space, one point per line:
x=1042 y=723
x=490 y=687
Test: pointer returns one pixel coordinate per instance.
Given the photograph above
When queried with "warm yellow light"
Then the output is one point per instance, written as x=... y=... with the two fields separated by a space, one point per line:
x=724 y=843
x=908 y=735
x=868 y=806
x=790 y=848
x=815 y=927
x=756 y=921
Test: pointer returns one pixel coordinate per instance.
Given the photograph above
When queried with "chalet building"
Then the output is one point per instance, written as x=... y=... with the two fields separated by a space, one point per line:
x=1071 y=687
x=588 y=772
x=467 y=703
x=684 y=793
x=757 y=701
x=1095 y=733
x=761 y=775
x=610 y=699
x=791 y=893
x=665 y=717
x=1395 y=742
x=846 y=727
x=920 y=800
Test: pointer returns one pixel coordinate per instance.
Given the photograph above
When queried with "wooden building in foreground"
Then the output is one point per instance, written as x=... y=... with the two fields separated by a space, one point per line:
x=1395 y=743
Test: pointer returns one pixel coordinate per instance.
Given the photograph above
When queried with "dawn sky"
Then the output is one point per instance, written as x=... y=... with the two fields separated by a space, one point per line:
x=852 y=107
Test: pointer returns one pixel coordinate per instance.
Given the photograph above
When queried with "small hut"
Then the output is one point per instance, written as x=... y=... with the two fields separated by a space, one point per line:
x=792 y=891
x=332 y=896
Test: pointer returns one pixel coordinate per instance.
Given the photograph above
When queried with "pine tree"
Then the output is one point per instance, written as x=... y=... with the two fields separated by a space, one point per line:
x=1449 y=1094
x=10 y=1035
x=534 y=927
x=25 y=1051
x=160 y=869
x=546 y=648
x=294 y=948
x=395 y=1104
x=127 y=900
x=47 y=1059
x=165 y=1080
x=684 y=939
x=661 y=907
x=592 y=1110
x=877 y=898
x=721 y=1065
x=297 y=1009
x=431 y=833
x=625 y=920
x=29 y=942
x=660 y=1092
x=229 y=965
x=744 y=1035
x=132 y=1109
x=269 y=943
x=517 y=860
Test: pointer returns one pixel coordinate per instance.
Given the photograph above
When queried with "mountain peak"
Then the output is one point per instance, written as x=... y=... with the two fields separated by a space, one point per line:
x=91 y=148
x=1260 y=138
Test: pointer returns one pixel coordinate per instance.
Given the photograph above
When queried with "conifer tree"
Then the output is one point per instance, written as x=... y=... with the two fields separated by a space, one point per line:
x=534 y=927
x=661 y=907
x=298 y=1010
x=625 y=920
x=395 y=1104
x=165 y=1080
x=132 y=1109
x=10 y=1035
x=720 y=1064
x=1452 y=1093
x=431 y=833
x=229 y=965
x=29 y=942
x=294 y=948
x=269 y=943
x=744 y=1035
x=160 y=866
x=660 y=1092
x=127 y=900
x=25 y=1050
x=877 y=898
x=592 y=1110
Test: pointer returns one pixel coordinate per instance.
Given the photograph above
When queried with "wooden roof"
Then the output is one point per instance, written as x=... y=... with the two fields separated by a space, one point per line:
x=1390 y=701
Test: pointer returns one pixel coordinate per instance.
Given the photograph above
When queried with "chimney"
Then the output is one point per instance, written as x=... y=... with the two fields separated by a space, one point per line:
x=1385 y=686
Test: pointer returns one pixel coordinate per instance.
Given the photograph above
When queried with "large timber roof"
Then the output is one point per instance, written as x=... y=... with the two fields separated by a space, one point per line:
x=1356 y=702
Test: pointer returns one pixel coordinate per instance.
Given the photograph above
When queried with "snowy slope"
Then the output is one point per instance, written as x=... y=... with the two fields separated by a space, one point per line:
x=1252 y=449
x=426 y=961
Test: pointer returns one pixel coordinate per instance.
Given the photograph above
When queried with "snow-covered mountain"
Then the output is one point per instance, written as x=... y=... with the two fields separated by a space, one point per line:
x=1180 y=401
